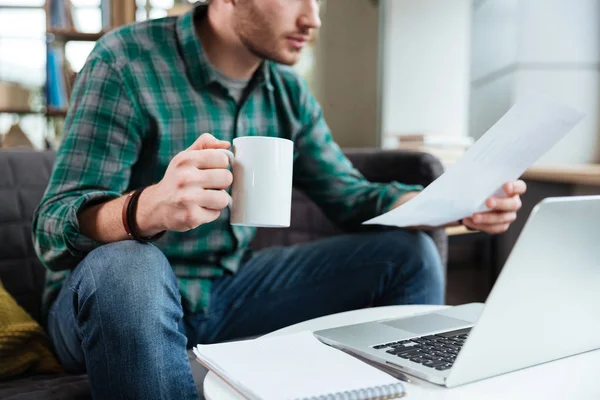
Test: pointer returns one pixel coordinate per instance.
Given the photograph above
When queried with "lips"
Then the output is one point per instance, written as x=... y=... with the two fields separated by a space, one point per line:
x=297 y=41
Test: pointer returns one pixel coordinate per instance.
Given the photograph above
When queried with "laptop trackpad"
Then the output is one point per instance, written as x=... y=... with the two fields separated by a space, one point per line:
x=427 y=323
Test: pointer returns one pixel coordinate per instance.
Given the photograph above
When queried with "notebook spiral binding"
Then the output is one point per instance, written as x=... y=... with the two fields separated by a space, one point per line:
x=377 y=393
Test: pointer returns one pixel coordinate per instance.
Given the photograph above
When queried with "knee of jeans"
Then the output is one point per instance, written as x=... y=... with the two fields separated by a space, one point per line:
x=427 y=259
x=128 y=271
x=418 y=247
x=426 y=248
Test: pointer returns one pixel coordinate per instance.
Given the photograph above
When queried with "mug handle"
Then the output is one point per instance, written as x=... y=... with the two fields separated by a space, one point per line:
x=231 y=157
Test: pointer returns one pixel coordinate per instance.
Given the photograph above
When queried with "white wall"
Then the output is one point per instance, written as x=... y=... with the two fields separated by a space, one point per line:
x=426 y=74
x=494 y=37
x=494 y=48
x=551 y=47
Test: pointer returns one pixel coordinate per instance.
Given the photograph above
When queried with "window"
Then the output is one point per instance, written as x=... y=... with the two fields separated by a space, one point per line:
x=23 y=51
x=150 y=9
x=23 y=62
x=87 y=16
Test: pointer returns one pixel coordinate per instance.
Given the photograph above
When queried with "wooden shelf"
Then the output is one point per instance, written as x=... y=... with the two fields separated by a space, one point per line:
x=578 y=174
x=66 y=35
x=51 y=112
x=459 y=230
x=23 y=7
x=20 y=111
x=56 y=112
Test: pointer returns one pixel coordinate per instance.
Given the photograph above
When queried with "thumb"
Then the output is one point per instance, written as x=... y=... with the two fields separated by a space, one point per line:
x=208 y=141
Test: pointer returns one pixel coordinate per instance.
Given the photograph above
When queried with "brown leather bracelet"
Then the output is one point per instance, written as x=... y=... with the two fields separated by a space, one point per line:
x=129 y=218
x=124 y=214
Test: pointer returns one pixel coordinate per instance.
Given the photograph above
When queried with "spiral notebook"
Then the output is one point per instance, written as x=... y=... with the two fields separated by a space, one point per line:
x=296 y=367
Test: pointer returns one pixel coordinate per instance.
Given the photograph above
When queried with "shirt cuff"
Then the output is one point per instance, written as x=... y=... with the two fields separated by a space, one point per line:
x=78 y=244
x=393 y=192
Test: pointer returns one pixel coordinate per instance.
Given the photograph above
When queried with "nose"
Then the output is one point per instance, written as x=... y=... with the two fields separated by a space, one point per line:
x=310 y=18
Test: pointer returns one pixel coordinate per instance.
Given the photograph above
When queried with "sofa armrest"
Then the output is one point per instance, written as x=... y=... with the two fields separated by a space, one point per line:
x=410 y=167
x=309 y=222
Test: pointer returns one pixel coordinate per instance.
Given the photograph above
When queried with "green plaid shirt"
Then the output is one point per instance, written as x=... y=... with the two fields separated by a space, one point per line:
x=145 y=94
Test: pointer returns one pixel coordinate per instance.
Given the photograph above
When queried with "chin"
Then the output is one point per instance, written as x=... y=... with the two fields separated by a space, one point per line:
x=287 y=58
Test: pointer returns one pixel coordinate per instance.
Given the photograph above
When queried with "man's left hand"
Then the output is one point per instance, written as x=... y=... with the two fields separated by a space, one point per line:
x=503 y=210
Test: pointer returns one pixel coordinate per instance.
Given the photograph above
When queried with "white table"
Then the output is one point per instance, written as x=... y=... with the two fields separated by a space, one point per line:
x=576 y=377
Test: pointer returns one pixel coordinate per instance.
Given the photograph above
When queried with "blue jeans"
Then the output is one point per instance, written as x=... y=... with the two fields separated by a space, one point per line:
x=119 y=318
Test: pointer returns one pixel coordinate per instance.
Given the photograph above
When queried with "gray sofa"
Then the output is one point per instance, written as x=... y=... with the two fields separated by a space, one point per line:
x=24 y=175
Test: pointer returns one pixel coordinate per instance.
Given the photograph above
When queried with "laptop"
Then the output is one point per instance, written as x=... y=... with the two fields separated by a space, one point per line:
x=545 y=305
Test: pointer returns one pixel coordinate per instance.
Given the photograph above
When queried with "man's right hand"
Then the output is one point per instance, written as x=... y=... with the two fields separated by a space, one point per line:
x=191 y=192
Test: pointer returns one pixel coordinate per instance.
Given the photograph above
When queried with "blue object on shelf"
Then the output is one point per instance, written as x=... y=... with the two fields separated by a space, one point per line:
x=56 y=91
x=58 y=13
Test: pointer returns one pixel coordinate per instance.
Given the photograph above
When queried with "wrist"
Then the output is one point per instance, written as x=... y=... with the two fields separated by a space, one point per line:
x=146 y=215
x=404 y=198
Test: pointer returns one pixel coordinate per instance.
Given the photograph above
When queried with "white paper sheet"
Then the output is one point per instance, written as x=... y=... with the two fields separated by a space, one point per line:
x=525 y=133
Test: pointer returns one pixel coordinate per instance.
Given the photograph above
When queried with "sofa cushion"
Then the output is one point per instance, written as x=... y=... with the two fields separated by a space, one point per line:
x=62 y=387
x=24 y=346
x=23 y=179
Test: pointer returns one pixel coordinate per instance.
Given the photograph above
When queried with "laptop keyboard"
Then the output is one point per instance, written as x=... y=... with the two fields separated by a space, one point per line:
x=433 y=351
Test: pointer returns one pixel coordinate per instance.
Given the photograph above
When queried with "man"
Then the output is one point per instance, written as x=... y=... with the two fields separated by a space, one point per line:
x=124 y=310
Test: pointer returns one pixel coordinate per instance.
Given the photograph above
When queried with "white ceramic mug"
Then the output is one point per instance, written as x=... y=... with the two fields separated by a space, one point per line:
x=262 y=181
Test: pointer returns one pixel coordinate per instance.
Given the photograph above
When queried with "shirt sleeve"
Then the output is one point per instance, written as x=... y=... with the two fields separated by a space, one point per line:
x=324 y=173
x=101 y=141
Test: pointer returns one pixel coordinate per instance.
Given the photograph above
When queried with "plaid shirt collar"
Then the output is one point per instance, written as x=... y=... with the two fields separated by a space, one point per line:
x=199 y=69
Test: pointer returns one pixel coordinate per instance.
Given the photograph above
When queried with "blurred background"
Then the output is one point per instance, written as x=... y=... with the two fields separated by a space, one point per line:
x=432 y=72
x=412 y=75
x=43 y=44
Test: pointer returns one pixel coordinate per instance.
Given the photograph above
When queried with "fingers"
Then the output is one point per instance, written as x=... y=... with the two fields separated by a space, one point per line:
x=210 y=215
x=504 y=204
x=208 y=141
x=491 y=222
x=495 y=229
x=196 y=206
x=503 y=210
x=492 y=229
x=515 y=188
x=512 y=201
x=205 y=179
x=208 y=199
x=214 y=199
x=493 y=218
x=195 y=216
x=216 y=179
x=203 y=159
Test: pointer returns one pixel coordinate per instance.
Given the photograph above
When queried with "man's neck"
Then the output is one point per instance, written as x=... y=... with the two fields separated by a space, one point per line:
x=224 y=49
